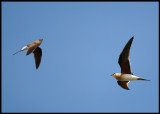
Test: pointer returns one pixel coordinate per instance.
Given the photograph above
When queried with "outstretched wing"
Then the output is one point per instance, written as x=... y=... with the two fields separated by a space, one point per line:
x=124 y=58
x=31 y=49
x=32 y=46
x=123 y=84
x=37 y=56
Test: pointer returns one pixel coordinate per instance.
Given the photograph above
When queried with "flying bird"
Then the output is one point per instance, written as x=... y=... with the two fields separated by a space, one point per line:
x=33 y=48
x=126 y=75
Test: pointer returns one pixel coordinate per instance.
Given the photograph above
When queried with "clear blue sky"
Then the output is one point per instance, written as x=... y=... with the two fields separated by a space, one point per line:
x=81 y=46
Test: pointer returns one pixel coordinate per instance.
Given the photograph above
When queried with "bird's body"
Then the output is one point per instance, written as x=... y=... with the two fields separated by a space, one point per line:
x=33 y=48
x=126 y=75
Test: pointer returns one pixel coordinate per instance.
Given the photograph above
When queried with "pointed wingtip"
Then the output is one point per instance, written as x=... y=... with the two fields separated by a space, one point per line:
x=126 y=88
x=37 y=67
x=132 y=37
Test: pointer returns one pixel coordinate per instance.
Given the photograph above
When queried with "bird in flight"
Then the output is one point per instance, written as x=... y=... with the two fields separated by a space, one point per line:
x=33 y=48
x=126 y=75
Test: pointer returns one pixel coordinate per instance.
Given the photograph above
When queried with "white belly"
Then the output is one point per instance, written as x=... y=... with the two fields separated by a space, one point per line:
x=128 y=77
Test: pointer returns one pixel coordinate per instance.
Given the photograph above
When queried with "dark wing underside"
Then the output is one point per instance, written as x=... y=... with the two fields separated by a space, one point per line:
x=31 y=49
x=124 y=58
x=123 y=84
x=37 y=56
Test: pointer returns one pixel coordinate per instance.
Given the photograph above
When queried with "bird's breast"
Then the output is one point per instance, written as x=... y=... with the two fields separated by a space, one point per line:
x=128 y=77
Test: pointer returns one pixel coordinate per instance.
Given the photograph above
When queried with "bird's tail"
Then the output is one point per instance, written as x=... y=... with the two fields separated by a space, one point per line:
x=142 y=79
x=17 y=52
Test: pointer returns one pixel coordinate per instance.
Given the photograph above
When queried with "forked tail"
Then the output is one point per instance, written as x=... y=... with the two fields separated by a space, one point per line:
x=17 y=52
x=142 y=79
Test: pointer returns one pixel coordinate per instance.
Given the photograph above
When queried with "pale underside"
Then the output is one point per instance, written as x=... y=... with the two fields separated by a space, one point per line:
x=126 y=77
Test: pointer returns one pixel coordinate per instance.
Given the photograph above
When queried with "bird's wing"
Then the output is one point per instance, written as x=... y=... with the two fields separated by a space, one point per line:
x=124 y=58
x=123 y=84
x=31 y=48
x=37 y=56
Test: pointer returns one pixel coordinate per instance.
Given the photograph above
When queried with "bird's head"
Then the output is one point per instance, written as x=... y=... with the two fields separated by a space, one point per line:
x=116 y=74
x=112 y=74
x=40 y=40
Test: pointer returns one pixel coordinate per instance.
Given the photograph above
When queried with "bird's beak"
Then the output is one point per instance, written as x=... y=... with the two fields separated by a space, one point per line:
x=41 y=40
x=111 y=75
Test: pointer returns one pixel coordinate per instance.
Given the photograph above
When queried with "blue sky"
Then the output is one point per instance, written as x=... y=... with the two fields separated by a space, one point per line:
x=81 y=45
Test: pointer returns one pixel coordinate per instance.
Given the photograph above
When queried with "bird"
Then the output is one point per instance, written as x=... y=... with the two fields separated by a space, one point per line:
x=126 y=74
x=33 y=48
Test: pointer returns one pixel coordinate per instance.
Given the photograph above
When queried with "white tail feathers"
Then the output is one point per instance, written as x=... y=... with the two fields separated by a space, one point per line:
x=24 y=48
